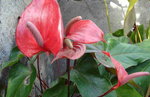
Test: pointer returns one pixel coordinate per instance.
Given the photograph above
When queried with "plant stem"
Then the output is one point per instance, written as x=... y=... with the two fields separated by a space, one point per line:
x=75 y=62
x=73 y=92
x=108 y=91
x=68 y=72
x=148 y=92
x=37 y=88
x=137 y=30
x=136 y=40
x=38 y=67
x=43 y=83
x=99 y=64
x=107 y=14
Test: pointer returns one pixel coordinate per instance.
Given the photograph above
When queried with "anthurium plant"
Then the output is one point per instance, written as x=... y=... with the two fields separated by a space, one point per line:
x=115 y=64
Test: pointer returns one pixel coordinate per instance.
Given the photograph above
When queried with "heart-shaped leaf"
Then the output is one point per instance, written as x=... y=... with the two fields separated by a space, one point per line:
x=88 y=80
x=127 y=54
x=20 y=81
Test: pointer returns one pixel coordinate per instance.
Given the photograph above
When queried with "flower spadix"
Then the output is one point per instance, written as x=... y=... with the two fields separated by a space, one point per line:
x=79 y=32
x=40 y=28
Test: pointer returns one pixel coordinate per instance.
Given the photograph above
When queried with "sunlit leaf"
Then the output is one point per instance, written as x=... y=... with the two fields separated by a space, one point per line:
x=129 y=21
x=130 y=17
x=131 y=5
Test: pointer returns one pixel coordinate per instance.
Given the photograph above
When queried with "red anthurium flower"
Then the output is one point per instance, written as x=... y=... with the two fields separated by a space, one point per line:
x=78 y=33
x=40 y=28
x=123 y=76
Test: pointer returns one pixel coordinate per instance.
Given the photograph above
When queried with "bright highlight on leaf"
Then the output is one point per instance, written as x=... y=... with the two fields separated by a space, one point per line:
x=130 y=17
x=123 y=76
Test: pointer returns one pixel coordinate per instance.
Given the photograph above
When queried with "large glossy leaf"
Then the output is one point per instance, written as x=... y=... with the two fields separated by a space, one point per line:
x=142 y=82
x=15 y=56
x=127 y=91
x=88 y=80
x=127 y=54
x=59 y=90
x=96 y=47
x=119 y=37
x=130 y=17
x=145 y=45
x=20 y=81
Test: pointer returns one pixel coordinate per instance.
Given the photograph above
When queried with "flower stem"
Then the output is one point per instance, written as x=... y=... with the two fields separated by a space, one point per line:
x=113 y=88
x=107 y=14
x=148 y=92
x=137 y=30
x=75 y=63
x=37 y=87
x=44 y=85
x=38 y=67
x=68 y=72
x=74 y=91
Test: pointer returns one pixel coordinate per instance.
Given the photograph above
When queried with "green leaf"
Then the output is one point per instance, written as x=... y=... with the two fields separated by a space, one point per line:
x=88 y=80
x=110 y=36
x=141 y=31
x=96 y=47
x=137 y=36
x=144 y=81
x=145 y=45
x=127 y=54
x=131 y=6
x=21 y=80
x=127 y=91
x=14 y=58
x=148 y=32
x=130 y=17
x=129 y=21
x=59 y=90
x=118 y=33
